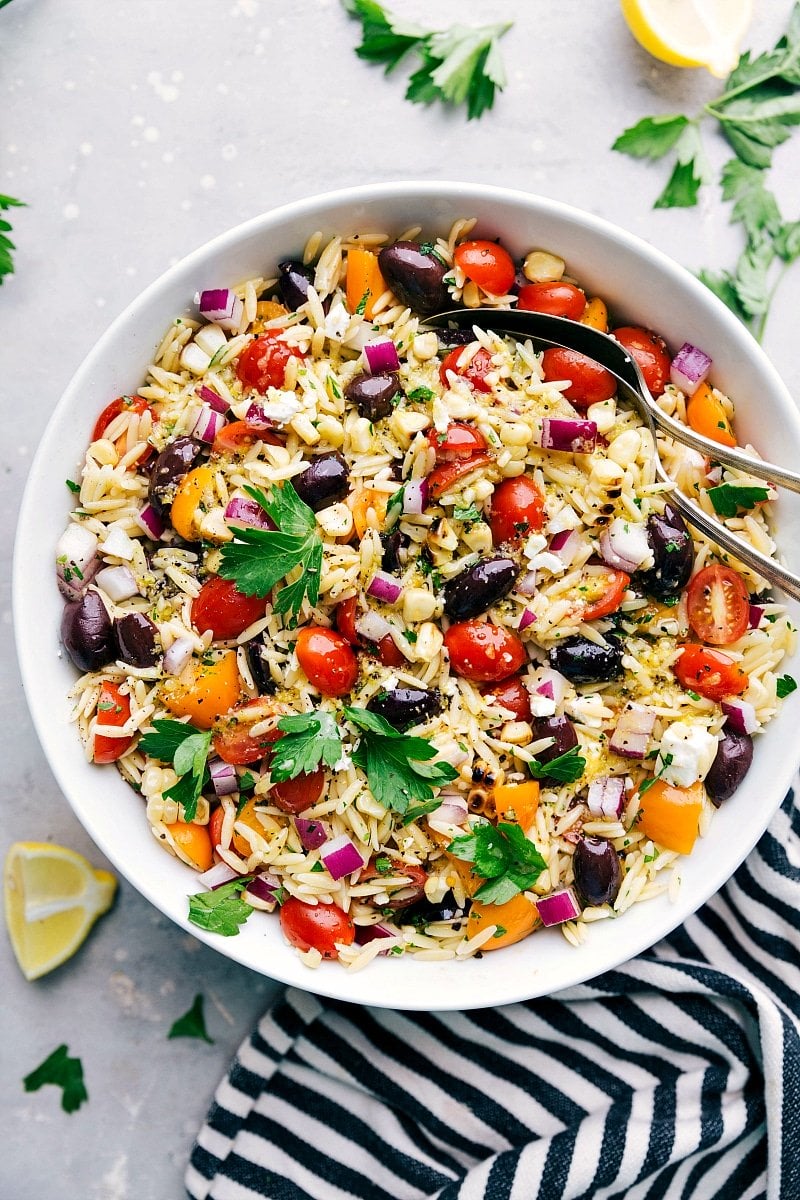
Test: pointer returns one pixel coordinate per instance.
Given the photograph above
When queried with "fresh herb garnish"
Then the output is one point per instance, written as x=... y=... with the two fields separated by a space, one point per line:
x=566 y=768
x=729 y=498
x=467 y=514
x=459 y=65
x=192 y=1024
x=221 y=911
x=247 y=782
x=421 y=394
x=785 y=686
x=415 y=811
x=6 y=245
x=508 y=861
x=309 y=739
x=398 y=767
x=361 y=307
x=187 y=749
x=65 y=1072
x=394 y=508
x=257 y=559
x=73 y=486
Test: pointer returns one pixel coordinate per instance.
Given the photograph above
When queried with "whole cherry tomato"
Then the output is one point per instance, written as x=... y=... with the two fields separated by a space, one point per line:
x=649 y=352
x=484 y=652
x=474 y=372
x=602 y=589
x=718 y=605
x=113 y=709
x=327 y=660
x=222 y=608
x=298 y=794
x=487 y=264
x=517 y=510
x=589 y=382
x=346 y=617
x=237 y=437
x=135 y=404
x=316 y=926
x=262 y=364
x=557 y=299
x=233 y=740
x=709 y=672
x=459 y=441
x=443 y=478
x=511 y=694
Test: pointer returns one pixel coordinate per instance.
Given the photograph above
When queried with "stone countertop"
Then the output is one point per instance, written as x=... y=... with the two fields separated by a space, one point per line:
x=134 y=135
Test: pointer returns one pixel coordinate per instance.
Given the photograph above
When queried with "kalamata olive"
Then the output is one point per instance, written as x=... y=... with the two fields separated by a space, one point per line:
x=479 y=587
x=169 y=469
x=137 y=639
x=373 y=395
x=406 y=706
x=598 y=875
x=455 y=337
x=258 y=661
x=294 y=281
x=673 y=552
x=731 y=764
x=415 y=277
x=87 y=632
x=582 y=661
x=424 y=912
x=561 y=729
x=394 y=546
x=324 y=481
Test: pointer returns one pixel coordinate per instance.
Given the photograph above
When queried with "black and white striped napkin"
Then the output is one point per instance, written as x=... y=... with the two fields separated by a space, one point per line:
x=677 y=1075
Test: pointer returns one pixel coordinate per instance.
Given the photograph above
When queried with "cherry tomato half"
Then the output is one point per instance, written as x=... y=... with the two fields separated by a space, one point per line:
x=442 y=478
x=649 y=352
x=327 y=660
x=604 y=589
x=233 y=740
x=589 y=382
x=484 y=652
x=316 y=926
x=709 y=672
x=511 y=694
x=346 y=617
x=383 y=865
x=298 y=794
x=136 y=404
x=262 y=363
x=459 y=441
x=517 y=510
x=557 y=299
x=113 y=709
x=487 y=264
x=237 y=437
x=474 y=372
x=717 y=605
x=222 y=608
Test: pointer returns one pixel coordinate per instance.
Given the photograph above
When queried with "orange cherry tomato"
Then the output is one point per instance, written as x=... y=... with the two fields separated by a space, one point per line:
x=649 y=352
x=459 y=441
x=195 y=842
x=511 y=694
x=516 y=919
x=442 y=478
x=671 y=815
x=316 y=926
x=136 y=404
x=487 y=264
x=589 y=382
x=113 y=709
x=222 y=608
x=474 y=372
x=298 y=794
x=557 y=299
x=718 y=605
x=484 y=652
x=237 y=437
x=327 y=660
x=605 y=588
x=517 y=510
x=233 y=740
x=262 y=364
x=709 y=672
x=204 y=690
x=706 y=415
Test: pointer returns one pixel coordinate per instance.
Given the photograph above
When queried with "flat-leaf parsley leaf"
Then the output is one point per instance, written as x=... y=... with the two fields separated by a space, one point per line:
x=567 y=768
x=221 y=911
x=192 y=1024
x=729 y=498
x=398 y=767
x=187 y=749
x=504 y=856
x=309 y=739
x=785 y=686
x=65 y=1072
x=6 y=245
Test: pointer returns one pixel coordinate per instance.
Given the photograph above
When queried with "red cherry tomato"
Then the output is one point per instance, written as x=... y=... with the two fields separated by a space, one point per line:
x=487 y=264
x=112 y=709
x=474 y=372
x=718 y=605
x=316 y=926
x=136 y=404
x=649 y=352
x=222 y=608
x=417 y=878
x=484 y=652
x=346 y=617
x=511 y=694
x=589 y=382
x=233 y=740
x=605 y=587
x=327 y=660
x=517 y=510
x=237 y=437
x=215 y=826
x=460 y=441
x=442 y=478
x=709 y=672
x=557 y=299
x=262 y=364
x=298 y=794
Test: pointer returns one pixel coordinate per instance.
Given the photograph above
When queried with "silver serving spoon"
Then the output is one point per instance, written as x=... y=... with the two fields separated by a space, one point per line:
x=571 y=335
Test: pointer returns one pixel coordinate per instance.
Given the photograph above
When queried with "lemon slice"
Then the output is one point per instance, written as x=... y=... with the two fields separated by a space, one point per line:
x=691 y=33
x=53 y=896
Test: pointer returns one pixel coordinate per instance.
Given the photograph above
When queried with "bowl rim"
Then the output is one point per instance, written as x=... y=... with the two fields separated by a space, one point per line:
x=339 y=983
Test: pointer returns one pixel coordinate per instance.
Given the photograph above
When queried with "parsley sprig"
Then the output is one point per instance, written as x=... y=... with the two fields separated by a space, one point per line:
x=192 y=1024
x=310 y=739
x=459 y=65
x=258 y=559
x=566 y=768
x=729 y=498
x=65 y=1072
x=504 y=856
x=223 y=910
x=399 y=768
x=6 y=245
x=187 y=749
x=785 y=685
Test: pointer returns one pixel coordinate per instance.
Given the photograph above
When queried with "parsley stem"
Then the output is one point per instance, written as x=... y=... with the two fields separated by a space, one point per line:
x=762 y=324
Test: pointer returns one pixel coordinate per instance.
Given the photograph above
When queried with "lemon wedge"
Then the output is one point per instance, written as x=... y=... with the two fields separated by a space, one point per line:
x=53 y=896
x=691 y=33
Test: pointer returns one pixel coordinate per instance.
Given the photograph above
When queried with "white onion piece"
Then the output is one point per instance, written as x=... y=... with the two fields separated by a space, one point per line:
x=372 y=626
x=118 y=544
x=76 y=554
x=741 y=716
x=624 y=545
x=690 y=366
x=606 y=797
x=177 y=656
x=217 y=875
x=631 y=738
x=117 y=583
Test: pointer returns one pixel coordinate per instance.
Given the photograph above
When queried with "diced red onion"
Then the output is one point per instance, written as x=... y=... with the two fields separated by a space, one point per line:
x=369 y=933
x=312 y=834
x=208 y=424
x=177 y=656
x=558 y=907
x=151 y=522
x=565 y=545
x=76 y=560
x=552 y=684
x=572 y=436
x=117 y=582
x=217 y=875
x=756 y=613
x=372 y=626
x=453 y=810
x=209 y=396
x=546 y=690
x=526 y=584
x=714 y=476
x=741 y=716
x=381 y=356
x=341 y=857
x=223 y=777
x=606 y=797
x=624 y=545
x=415 y=497
x=689 y=368
x=221 y=305
x=244 y=511
x=385 y=587
x=265 y=888
x=528 y=617
x=631 y=738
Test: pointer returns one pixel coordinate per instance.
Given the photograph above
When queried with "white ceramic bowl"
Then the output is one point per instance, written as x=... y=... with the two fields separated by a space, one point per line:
x=641 y=284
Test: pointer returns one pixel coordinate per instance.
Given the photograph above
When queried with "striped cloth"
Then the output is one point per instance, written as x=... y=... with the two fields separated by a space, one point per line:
x=677 y=1075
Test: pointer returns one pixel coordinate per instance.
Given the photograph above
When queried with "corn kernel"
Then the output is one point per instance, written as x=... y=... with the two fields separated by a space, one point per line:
x=516 y=733
x=625 y=447
x=429 y=642
x=405 y=423
x=360 y=436
x=418 y=605
x=336 y=520
x=515 y=433
x=603 y=414
x=331 y=430
x=542 y=267
x=214 y=527
x=425 y=346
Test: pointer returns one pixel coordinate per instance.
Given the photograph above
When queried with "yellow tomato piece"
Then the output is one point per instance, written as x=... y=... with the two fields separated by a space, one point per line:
x=596 y=314
x=186 y=511
x=204 y=690
x=361 y=502
x=364 y=279
x=517 y=802
x=195 y=842
x=267 y=310
x=706 y=415
x=249 y=817
x=516 y=918
x=671 y=815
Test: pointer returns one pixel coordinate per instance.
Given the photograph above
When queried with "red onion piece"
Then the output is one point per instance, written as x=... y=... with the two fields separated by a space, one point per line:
x=341 y=857
x=256 y=418
x=756 y=613
x=223 y=777
x=552 y=684
x=217 y=402
x=177 y=656
x=631 y=738
x=565 y=546
x=76 y=560
x=372 y=626
x=313 y=834
x=381 y=356
x=415 y=497
x=369 y=933
x=117 y=582
x=265 y=888
x=606 y=797
x=221 y=305
x=689 y=368
x=151 y=522
x=546 y=689
x=217 y=875
x=453 y=810
x=567 y=434
x=741 y=716
x=385 y=587
x=528 y=617
x=558 y=907
x=208 y=424
x=241 y=511
x=526 y=585
x=559 y=539
x=624 y=545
